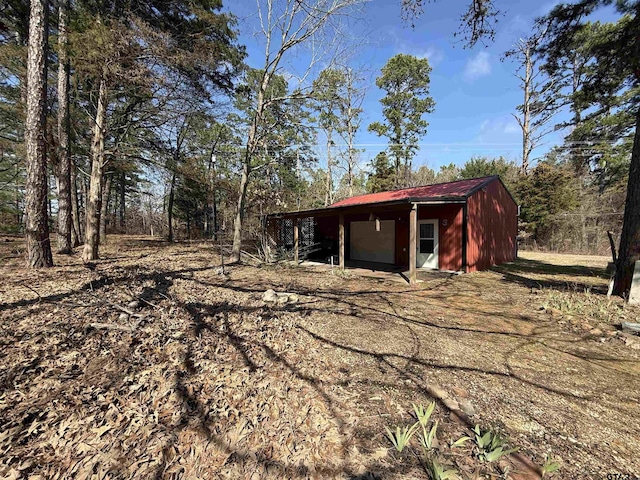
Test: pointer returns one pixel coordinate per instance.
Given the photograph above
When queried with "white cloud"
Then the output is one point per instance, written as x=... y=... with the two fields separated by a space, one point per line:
x=478 y=66
x=511 y=127
x=431 y=53
x=493 y=128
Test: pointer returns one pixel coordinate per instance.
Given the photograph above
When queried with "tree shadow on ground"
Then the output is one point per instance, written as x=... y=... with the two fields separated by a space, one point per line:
x=196 y=411
x=537 y=274
x=351 y=305
x=201 y=315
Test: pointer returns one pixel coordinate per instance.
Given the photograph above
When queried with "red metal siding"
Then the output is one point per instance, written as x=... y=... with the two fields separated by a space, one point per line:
x=492 y=226
x=449 y=235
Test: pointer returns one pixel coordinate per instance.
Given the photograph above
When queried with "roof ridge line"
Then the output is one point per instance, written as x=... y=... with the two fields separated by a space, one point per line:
x=487 y=177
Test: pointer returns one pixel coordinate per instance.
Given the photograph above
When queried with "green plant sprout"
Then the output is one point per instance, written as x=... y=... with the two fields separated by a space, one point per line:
x=401 y=438
x=437 y=472
x=427 y=439
x=491 y=445
x=550 y=466
x=460 y=442
x=423 y=414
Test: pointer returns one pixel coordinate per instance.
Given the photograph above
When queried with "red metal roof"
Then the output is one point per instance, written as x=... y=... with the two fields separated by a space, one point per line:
x=461 y=188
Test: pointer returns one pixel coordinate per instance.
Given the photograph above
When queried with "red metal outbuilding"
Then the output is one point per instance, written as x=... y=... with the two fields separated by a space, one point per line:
x=467 y=225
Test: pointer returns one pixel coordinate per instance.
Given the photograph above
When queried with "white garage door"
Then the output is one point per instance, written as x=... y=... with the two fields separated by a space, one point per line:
x=368 y=245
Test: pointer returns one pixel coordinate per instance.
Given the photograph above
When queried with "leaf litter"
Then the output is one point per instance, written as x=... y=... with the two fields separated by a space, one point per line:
x=151 y=364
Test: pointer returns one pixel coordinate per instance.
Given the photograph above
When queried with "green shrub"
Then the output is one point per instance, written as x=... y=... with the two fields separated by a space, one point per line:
x=490 y=445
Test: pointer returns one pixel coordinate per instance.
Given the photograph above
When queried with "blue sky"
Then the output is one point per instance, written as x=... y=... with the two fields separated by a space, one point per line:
x=475 y=92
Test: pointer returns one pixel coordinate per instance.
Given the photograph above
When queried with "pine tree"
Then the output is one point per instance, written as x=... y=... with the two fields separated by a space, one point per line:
x=615 y=69
x=405 y=79
x=64 y=130
x=37 y=219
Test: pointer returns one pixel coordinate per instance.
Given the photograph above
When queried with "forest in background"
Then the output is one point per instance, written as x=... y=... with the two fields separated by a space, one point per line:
x=153 y=124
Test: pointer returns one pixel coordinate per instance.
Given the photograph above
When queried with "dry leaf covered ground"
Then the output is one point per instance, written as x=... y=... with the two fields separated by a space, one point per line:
x=150 y=364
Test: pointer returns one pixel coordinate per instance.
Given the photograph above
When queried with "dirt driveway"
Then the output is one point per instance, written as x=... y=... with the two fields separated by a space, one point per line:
x=150 y=363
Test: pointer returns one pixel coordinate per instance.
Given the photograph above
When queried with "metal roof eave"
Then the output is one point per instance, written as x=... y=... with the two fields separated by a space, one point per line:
x=327 y=211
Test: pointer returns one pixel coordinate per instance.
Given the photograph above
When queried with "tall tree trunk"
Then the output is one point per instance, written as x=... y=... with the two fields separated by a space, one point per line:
x=215 y=217
x=170 y=206
x=351 y=156
x=237 y=224
x=526 y=110
x=211 y=225
x=575 y=84
x=94 y=200
x=104 y=208
x=149 y=217
x=350 y=178
x=397 y=165
x=174 y=168
x=37 y=220
x=18 y=208
x=81 y=197
x=64 y=127
x=352 y=122
x=116 y=207
x=328 y=194
x=82 y=204
x=252 y=144
x=629 y=251
x=76 y=234
x=123 y=184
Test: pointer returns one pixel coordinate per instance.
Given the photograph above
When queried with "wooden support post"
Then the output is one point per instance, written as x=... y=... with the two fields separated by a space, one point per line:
x=341 y=241
x=296 y=255
x=413 y=247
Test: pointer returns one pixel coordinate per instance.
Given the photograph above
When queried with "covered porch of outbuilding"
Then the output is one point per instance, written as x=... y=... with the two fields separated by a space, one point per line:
x=381 y=237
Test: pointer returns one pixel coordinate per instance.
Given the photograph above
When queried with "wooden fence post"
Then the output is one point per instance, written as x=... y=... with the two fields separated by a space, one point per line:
x=413 y=247
x=341 y=241
x=296 y=254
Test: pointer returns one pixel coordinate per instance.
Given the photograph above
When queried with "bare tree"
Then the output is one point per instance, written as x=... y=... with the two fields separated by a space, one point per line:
x=178 y=137
x=107 y=181
x=326 y=93
x=94 y=198
x=286 y=25
x=541 y=96
x=37 y=226
x=476 y=23
x=76 y=230
x=351 y=109
x=64 y=127
x=339 y=93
